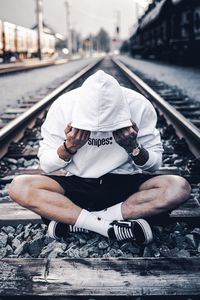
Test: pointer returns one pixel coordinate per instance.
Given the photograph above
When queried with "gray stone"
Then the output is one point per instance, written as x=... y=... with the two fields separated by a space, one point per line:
x=178 y=162
x=43 y=226
x=35 y=247
x=3 y=252
x=103 y=245
x=158 y=229
x=147 y=252
x=106 y=255
x=94 y=255
x=198 y=249
x=10 y=238
x=16 y=243
x=174 y=252
x=183 y=253
x=125 y=247
x=4 y=193
x=134 y=249
x=28 y=163
x=56 y=252
x=82 y=241
x=76 y=253
x=178 y=227
x=47 y=249
x=26 y=255
x=189 y=238
x=8 y=229
x=3 y=239
x=5 y=199
x=61 y=246
x=21 y=248
x=178 y=239
x=70 y=252
x=165 y=251
x=48 y=240
x=11 y=161
x=12 y=256
x=9 y=250
x=20 y=162
x=13 y=167
x=128 y=255
x=84 y=253
x=115 y=253
x=196 y=232
x=27 y=233
x=19 y=229
x=38 y=234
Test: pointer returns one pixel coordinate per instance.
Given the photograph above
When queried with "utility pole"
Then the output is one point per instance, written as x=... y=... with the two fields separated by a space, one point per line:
x=39 y=12
x=69 y=37
x=117 y=29
x=118 y=24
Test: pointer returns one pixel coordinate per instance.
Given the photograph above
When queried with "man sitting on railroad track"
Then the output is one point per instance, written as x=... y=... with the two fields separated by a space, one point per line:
x=109 y=142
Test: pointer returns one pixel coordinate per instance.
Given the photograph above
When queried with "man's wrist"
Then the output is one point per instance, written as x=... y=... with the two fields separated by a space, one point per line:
x=68 y=150
x=139 y=155
x=62 y=154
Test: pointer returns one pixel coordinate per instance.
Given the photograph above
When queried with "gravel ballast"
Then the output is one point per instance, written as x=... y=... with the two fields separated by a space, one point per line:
x=32 y=240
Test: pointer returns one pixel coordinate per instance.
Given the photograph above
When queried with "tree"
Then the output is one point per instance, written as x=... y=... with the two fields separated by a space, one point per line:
x=103 y=41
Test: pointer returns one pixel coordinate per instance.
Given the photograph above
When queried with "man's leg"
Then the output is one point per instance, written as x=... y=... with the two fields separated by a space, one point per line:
x=156 y=195
x=45 y=197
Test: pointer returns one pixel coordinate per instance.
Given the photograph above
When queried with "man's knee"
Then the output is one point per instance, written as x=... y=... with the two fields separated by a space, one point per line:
x=176 y=191
x=20 y=189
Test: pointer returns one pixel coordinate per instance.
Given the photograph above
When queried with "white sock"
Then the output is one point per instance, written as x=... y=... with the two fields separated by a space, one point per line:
x=111 y=213
x=88 y=220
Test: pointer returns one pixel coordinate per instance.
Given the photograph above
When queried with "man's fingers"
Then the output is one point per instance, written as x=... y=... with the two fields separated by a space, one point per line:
x=116 y=135
x=68 y=128
x=85 y=135
x=82 y=134
x=73 y=132
x=134 y=125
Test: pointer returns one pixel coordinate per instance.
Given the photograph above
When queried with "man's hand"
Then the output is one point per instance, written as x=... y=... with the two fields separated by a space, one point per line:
x=127 y=137
x=75 y=138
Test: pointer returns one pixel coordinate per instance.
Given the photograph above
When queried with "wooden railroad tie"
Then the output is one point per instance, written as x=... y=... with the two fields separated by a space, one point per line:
x=100 y=277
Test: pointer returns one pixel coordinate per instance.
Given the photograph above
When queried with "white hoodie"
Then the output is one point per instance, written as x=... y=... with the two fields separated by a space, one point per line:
x=101 y=106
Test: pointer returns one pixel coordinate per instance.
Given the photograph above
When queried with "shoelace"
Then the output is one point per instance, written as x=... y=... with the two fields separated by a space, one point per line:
x=123 y=233
x=73 y=228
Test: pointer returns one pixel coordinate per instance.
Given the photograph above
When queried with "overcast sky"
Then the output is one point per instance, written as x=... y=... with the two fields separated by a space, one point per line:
x=87 y=16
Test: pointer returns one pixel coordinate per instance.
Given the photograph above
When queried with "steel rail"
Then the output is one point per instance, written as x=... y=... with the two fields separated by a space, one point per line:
x=184 y=128
x=13 y=130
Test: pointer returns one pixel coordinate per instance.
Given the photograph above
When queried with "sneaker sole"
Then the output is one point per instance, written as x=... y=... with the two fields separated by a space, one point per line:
x=146 y=230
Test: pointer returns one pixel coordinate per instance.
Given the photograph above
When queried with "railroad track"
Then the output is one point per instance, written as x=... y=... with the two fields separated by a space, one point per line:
x=35 y=265
x=189 y=108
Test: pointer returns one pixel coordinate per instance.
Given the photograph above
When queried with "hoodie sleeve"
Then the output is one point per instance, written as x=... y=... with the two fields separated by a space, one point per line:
x=149 y=138
x=52 y=132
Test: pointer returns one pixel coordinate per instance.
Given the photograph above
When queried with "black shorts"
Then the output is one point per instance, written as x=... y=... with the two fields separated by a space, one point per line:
x=99 y=193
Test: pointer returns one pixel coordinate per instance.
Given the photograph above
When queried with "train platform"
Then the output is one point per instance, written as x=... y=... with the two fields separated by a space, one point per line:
x=28 y=64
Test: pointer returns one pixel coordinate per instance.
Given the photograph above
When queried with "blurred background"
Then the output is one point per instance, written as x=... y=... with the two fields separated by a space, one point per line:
x=151 y=36
x=168 y=29
x=31 y=28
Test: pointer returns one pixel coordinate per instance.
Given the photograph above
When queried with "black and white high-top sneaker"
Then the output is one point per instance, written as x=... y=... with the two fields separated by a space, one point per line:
x=58 y=230
x=138 y=231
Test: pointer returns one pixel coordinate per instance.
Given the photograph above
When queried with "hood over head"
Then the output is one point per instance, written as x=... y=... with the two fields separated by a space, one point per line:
x=101 y=105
